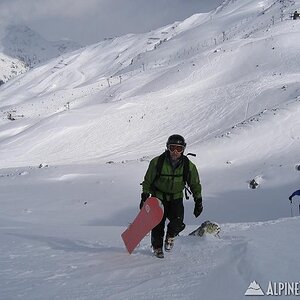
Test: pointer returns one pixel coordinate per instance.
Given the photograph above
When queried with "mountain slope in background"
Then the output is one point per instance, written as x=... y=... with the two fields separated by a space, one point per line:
x=27 y=49
x=215 y=78
x=10 y=67
x=217 y=73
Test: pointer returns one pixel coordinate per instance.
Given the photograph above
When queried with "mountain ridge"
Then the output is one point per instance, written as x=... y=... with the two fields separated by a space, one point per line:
x=27 y=49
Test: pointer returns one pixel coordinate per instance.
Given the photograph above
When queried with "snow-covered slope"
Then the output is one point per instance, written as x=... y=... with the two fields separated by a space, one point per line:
x=60 y=238
x=10 y=67
x=228 y=81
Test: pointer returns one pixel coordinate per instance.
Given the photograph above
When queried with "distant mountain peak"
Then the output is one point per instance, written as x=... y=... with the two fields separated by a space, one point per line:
x=20 y=41
x=21 y=48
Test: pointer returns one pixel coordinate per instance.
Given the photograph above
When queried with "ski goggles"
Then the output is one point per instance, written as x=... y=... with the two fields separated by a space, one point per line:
x=178 y=148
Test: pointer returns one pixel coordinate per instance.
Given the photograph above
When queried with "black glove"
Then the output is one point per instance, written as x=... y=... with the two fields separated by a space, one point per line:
x=290 y=198
x=198 y=207
x=144 y=197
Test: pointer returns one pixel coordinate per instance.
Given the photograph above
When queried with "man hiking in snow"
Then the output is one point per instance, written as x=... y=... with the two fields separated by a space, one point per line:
x=165 y=179
x=296 y=193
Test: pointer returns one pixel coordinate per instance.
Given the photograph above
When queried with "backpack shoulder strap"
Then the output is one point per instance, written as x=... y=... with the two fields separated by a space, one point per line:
x=186 y=171
x=160 y=162
x=186 y=168
x=159 y=167
x=186 y=176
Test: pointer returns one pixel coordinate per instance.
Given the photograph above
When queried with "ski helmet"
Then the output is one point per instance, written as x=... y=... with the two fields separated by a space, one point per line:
x=176 y=139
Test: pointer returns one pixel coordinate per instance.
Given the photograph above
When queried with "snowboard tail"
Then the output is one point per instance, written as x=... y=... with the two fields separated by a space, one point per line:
x=149 y=216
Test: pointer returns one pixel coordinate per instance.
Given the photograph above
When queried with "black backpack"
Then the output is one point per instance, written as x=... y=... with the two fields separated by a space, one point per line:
x=186 y=171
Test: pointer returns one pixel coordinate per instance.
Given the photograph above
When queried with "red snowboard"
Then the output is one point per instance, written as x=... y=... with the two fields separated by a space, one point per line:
x=149 y=216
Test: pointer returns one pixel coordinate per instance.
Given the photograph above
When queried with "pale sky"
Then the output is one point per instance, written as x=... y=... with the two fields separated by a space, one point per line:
x=90 y=21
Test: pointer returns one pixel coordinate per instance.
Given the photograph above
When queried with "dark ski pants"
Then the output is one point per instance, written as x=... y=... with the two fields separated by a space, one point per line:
x=174 y=212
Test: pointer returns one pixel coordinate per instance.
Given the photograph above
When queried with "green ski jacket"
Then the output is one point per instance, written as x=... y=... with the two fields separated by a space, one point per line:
x=170 y=184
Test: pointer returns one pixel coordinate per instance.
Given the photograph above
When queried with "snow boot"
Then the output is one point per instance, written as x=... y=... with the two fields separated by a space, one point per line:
x=158 y=252
x=169 y=243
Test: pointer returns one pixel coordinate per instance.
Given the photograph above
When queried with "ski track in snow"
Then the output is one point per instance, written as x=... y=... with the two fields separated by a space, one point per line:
x=56 y=262
x=90 y=269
